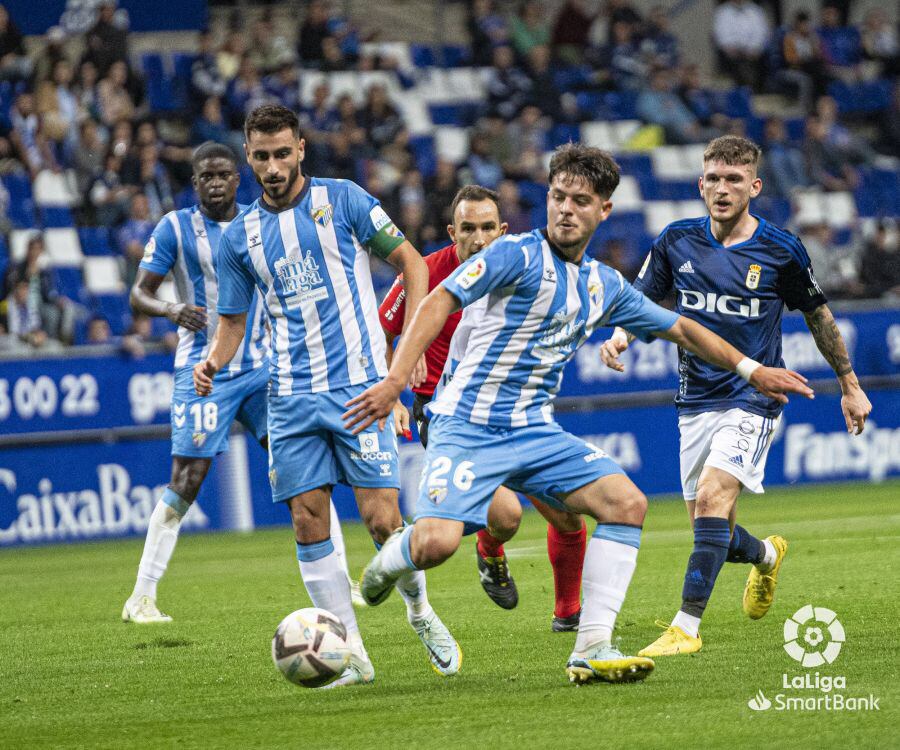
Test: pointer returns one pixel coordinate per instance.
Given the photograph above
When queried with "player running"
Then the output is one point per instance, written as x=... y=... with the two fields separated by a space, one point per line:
x=476 y=223
x=732 y=272
x=304 y=245
x=186 y=242
x=535 y=300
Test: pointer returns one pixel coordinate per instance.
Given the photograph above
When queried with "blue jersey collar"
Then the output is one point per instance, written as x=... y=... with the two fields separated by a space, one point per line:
x=707 y=226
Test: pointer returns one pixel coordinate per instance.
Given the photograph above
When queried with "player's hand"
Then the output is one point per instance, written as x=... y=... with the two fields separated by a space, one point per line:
x=856 y=408
x=188 y=316
x=419 y=373
x=611 y=349
x=401 y=421
x=376 y=402
x=775 y=382
x=204 y=372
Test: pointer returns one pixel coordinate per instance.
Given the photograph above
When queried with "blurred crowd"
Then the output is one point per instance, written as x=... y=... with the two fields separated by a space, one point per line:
x=78 y=105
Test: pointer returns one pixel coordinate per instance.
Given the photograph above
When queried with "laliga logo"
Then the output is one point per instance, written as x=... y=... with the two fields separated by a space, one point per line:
x=807 y=630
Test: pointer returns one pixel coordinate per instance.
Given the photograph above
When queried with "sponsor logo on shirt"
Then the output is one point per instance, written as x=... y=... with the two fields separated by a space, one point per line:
x=724 y=304
x=370 y=450
x=474 y=272
x=300 y=279
x=379 y=218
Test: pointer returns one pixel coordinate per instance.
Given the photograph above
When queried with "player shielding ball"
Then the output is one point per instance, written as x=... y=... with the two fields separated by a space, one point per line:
x=733 y=272
x=531 y=300
x=186 y=243
x=304 y=245
x=477 y=223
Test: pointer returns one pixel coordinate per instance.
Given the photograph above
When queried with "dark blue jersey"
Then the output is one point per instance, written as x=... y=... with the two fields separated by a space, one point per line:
x=738 y=292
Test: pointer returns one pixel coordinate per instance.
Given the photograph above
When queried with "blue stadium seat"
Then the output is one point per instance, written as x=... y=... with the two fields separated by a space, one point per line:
x=621 y=105
x=572 y=78
x=455 y=55
x=534 y=194
x=674 y=190
x=4 y=256
x=158 y=85
x=182 y=62
x=861 y=98
x=422 y=147
x=796 y=129
x=422 y=55
x=53 y=217
x=634 y=164
x=188 y=196
x=878 y=193
x=738 y=102
x=161 y=326
x=113 y=307
x=621 y=226
x=21 y=203
x=461 y=114
x=591 y=105
x=775 y=210
x=95 y=240
x=563 y=133
x=69 y=282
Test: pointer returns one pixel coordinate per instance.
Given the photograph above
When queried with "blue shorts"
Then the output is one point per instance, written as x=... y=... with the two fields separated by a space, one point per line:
x=465 y=463
x=309 y=446
x=200 y=424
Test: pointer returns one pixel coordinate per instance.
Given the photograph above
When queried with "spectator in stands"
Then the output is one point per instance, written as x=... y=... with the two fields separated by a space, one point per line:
x=246 y=92
x=206 y=77
x=784 y=168
x=804 y=64
x=615 y=254
x=628 y=68
x=659 y=46
x=526 y=135
x=109 y=196
x=152 y=182
x=529 y=28
x=698 y=97
x=440 y=190
x=853 y=148
x=741 y=33
x=283 y=85
x=488 y=30
x=508 y=87
x=89 y=156
x=880 y=44
x=268 y=48
x=333 y=59
x=231 y=54
x=511 y=208
x=880 y=264
x=107 y=41
x=348 y=121
x=660 y=105
x=379 y=118
x=571 y=32
x=27 y=137
x=14 y=62
x=483 y=169
x=313 y=31
x=53 y=52
x=623 y=11
x=836 y=264
x=133 y=236
x=140 y=335
x=889 y=125
x=841 y=46
x=58 y=108
x=23 y=318
x=86 y=91
x=544 y=92
x=55 y=313
x=98 y=331
x=825 y=163
x=113 y=96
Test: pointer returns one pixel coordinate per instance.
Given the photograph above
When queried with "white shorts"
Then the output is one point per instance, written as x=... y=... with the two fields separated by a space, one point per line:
x=735 y=441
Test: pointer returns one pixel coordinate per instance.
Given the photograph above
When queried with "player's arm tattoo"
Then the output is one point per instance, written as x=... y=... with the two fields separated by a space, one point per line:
x=829 y=340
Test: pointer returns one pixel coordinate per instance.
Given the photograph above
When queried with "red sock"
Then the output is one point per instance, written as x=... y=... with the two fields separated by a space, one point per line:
x=488 y=545
x=566 y=551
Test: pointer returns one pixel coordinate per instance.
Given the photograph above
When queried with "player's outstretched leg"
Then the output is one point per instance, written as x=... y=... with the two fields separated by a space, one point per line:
x=504 y=516
x=393 y=566
x=609 y=564
x=566 y=545
x=188 y=474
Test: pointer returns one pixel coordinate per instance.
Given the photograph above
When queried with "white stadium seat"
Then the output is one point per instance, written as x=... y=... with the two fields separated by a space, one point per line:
x=53 y=189
x=598 y=134
x=18 y=243
x=809 y=208
x=451 y=143
x=102 y=275
x=659 y=214
x=63 y=247
x=840 y=209
x=628 y=195
x=677 y=162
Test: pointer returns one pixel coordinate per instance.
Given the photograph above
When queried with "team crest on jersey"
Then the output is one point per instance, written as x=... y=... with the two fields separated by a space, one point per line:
x=474 y=272
x=394 y=231
x=273 y=477
x=300 y=279
x=149 y=249
x=322 y=215
x=199 y=439
x=753 y=276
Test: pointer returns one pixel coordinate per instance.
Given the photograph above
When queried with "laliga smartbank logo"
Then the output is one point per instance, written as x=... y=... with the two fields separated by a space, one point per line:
x=813 y=637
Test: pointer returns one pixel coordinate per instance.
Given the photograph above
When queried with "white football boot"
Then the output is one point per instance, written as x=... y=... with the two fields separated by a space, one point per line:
x=143 y=611
x=443 y=650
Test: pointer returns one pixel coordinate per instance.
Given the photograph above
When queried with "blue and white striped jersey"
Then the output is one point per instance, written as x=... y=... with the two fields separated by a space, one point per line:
x=311 y=265
x=186 y=242
x=527 y=310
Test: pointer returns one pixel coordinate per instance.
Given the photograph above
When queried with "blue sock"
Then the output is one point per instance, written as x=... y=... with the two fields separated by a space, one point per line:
x=711 y=539
x=175 y=501
x=745 y=548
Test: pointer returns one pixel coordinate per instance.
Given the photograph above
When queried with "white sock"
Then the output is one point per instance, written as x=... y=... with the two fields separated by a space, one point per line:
x=688 y=623
x=162 y=533
x=337 y=539
x=768 y=558
x=608 y=567
x=393 y=560
x=327 y=585
x=412 y=588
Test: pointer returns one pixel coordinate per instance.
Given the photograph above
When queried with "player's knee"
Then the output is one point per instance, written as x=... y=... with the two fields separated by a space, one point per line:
x=187 y=477
x=631 y=507
x=504 y=515
x=431 y=547
x=712 y=500
x=566 y=523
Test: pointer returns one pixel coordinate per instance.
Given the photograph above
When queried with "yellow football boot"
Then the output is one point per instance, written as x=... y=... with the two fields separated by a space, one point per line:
x=760 y=589
x=672 y=642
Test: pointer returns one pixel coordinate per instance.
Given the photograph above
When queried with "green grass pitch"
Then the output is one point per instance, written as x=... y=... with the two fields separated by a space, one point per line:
x=73 y=675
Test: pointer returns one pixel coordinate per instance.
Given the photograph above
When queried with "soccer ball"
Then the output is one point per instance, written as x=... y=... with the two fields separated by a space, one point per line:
x=310 y=647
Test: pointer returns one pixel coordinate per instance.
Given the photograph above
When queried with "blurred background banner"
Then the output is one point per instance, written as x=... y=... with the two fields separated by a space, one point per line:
x=78 y=15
